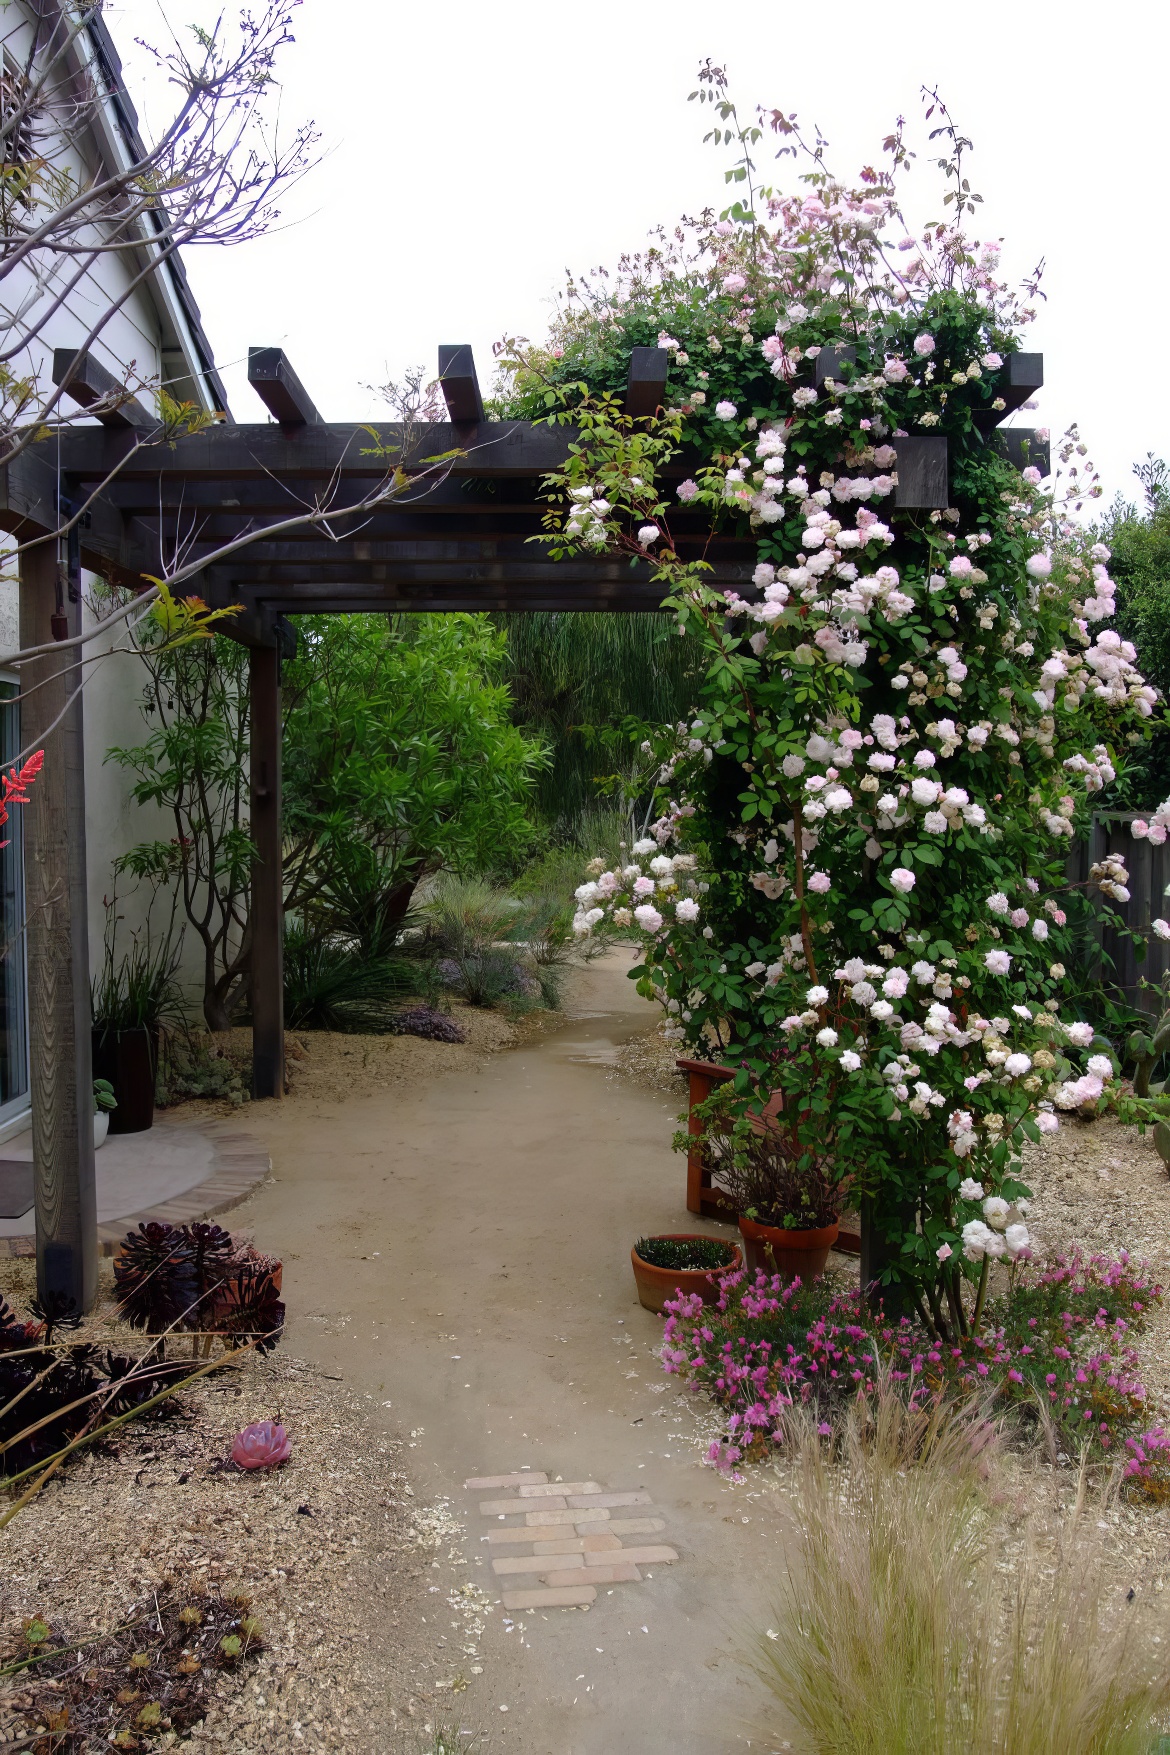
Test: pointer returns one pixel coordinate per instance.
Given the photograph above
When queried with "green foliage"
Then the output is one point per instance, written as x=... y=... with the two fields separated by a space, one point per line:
x=330 y=984
x=903 y=722
x=1139 y=540
x=494 y=949
x=689 y=1255
x=590 y=685
x=191 y=1065
x=193 y=765
x=138 y=990
x=400 y=761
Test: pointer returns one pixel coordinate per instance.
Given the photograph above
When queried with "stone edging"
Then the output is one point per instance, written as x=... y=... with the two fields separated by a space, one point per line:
x=241 y=1164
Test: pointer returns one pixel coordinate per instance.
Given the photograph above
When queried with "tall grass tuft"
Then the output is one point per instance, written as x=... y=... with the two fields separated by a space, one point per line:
x=917 y=1625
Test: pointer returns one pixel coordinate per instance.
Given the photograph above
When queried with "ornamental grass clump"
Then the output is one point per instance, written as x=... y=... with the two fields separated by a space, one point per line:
x=858 y=852
x=1055 y=1352
x=686 y=1253
x=916 y=1621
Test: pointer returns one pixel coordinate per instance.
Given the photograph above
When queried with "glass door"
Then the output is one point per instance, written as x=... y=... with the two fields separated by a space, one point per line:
x=14 y=1071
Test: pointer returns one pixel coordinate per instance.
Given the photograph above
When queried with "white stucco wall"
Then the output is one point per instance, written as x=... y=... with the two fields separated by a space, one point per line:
x=131 y=347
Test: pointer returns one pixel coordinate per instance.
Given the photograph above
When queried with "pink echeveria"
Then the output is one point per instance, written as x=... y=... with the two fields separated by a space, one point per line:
x=263 y=1445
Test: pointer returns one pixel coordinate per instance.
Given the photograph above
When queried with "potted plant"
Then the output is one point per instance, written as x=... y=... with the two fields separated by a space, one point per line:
x=785 y=1191
x=131 y=998
x=681 y=1261
x=103 y=1101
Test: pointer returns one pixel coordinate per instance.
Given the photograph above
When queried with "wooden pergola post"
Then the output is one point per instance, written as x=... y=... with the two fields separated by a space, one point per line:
x=56 y=909
x=267 y=910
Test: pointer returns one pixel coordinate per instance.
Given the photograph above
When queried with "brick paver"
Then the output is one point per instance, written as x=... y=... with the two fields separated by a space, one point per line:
x=549 y=1599
x=586 y=1502
x=614 y=1573
x=537 y=1490
x=569 y=1540
x=536 y=1518
x=485 y=1483
x=603 y=1544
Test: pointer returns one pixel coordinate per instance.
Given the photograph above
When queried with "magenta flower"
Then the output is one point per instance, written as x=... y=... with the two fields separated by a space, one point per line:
x=262 y=1445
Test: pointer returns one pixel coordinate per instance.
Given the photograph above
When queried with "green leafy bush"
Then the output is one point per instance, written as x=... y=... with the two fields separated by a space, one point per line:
x=332 y=985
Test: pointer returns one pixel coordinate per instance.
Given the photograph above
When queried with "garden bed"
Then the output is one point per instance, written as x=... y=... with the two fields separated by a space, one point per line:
x=332 y=1552
x=1100 y=1186
x=323 y=1064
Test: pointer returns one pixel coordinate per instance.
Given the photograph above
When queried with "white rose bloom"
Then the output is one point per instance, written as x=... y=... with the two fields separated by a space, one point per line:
x=995 y=1211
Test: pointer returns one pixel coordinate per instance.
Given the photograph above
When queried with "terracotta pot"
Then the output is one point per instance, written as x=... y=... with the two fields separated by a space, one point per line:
x=656 y=1284
x=129 y=1060
x=795 y=1252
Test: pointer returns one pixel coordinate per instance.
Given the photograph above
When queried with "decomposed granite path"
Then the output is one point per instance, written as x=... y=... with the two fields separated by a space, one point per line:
x=459 y=1254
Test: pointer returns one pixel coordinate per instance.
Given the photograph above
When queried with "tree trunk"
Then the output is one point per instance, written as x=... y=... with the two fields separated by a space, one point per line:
x=58 y=943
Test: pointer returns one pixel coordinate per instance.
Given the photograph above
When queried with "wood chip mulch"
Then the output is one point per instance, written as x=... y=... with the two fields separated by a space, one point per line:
x=341 y=1567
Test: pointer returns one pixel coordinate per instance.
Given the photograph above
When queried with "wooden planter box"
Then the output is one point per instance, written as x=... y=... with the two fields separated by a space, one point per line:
x=702 y=1078
x=702 y=1197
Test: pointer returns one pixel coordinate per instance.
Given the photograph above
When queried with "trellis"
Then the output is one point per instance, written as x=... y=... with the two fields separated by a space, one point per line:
x=465 y=543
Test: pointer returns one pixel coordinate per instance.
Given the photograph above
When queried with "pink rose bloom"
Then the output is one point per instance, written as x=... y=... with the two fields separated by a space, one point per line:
x=943 y=1252
x=999 y=962
x=924 y=346
x=687 y=490
x=820 y=883
x=734 y=283
x=1019 y=917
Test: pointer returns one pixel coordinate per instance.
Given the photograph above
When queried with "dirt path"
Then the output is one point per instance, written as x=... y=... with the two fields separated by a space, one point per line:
x=459 y=1254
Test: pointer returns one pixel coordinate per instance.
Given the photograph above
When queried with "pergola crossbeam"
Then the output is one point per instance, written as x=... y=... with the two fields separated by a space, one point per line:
x=87 y=382
x=460 y=384
x=279 y=389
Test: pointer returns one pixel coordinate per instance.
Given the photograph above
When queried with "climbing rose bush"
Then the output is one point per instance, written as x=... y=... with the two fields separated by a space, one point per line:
x=861 y=838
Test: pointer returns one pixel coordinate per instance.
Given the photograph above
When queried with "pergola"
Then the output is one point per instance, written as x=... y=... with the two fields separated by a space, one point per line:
x=464 y=543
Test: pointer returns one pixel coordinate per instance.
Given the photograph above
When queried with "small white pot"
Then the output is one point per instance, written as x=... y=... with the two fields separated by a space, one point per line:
x=101 y=1127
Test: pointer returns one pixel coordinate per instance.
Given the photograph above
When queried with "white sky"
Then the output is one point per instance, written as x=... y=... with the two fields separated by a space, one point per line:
x=475 y=151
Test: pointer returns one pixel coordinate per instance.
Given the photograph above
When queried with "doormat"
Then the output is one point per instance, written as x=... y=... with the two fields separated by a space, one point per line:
x=16 y=1188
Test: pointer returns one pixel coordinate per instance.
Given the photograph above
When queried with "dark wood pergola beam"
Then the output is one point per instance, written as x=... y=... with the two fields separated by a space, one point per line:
x=279 y=389
x=87 y=382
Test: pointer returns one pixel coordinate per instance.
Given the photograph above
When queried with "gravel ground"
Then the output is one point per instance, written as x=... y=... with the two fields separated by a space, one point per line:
x=321 y=1064
x=356 y=1582
x=649 y=1061
x=371 y=1621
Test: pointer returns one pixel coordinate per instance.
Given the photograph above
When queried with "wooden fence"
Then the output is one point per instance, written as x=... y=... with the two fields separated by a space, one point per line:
x=1112 y=955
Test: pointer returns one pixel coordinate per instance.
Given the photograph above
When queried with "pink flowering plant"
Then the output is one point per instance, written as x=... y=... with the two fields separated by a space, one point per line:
x=859 y=854
x=1055 y=1350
